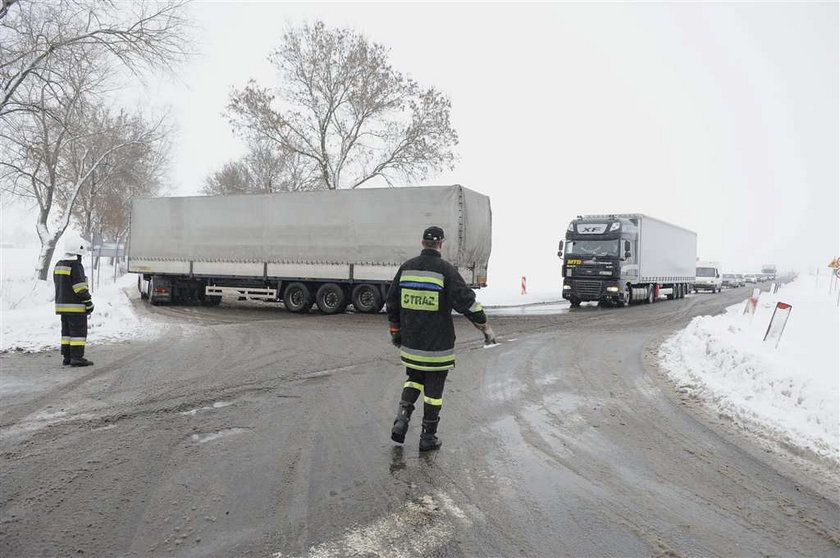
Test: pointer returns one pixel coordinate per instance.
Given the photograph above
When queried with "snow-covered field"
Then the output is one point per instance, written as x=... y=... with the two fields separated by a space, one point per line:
x=27 y=315
x=506 y=290
x=791 y=392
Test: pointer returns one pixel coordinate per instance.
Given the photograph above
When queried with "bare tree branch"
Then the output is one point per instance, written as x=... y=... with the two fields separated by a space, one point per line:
x=345 y=111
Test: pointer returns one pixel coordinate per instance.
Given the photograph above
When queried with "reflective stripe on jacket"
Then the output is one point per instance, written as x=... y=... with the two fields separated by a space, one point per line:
x=71 y=288
x=420 y=301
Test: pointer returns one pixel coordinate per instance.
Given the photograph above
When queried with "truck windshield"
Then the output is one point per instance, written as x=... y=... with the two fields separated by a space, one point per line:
x=705 y=272
x=592 y=248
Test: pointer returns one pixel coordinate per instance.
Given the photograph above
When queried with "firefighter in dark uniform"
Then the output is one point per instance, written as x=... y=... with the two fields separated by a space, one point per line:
x=72 y=301
x=420 y=301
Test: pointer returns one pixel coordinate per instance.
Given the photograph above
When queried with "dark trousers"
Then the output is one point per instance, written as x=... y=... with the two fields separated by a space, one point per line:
x=431 y=384
x=73 y=335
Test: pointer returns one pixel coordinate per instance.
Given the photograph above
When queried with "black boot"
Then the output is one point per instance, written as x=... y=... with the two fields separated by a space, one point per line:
x=428 y=440
x=80 y=361
x=401 y=422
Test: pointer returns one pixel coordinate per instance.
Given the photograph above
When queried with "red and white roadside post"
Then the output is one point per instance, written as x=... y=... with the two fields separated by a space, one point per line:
x=524 y=285
x=777 y=323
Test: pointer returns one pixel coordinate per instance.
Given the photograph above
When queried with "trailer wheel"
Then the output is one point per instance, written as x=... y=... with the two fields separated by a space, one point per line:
x=298 y=298
x=331 y=299
x=673 y=294
x=143 y=295
x=367 y=299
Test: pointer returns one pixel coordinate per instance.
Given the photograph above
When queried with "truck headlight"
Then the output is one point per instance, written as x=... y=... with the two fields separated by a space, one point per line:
x=566 y=287
x=612 y=289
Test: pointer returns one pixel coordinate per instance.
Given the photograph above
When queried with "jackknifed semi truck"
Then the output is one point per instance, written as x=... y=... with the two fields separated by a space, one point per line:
x=328 y=248
x=623 y=258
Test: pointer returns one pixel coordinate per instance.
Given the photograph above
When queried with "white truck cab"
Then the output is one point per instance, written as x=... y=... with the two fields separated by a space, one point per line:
x=708 y=277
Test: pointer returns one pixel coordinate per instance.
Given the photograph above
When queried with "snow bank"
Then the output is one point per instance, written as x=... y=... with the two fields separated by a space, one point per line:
x=27 y=313
x=792 y=392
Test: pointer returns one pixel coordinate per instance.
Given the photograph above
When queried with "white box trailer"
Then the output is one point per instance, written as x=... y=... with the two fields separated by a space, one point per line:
x=622 y=258
x=332 y=247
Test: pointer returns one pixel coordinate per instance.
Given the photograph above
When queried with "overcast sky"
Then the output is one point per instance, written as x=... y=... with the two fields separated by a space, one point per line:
x=722 y=118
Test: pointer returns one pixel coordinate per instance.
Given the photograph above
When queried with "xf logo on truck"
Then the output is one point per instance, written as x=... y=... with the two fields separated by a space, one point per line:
x=420 y=300
x=591 y=229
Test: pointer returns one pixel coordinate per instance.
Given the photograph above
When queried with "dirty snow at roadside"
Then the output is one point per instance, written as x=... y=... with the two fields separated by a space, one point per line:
x=791 y=391
x=27 y=313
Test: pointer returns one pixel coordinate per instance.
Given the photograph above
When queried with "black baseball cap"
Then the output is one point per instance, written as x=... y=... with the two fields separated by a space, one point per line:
x=433 y=233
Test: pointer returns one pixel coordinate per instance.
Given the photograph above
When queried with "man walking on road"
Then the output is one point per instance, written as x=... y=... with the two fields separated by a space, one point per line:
x=420 y=302
x=72 y=301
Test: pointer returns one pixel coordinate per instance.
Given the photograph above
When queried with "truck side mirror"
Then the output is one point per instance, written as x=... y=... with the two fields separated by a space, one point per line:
x=626 y=245
x=627 y=254
x=560 y=249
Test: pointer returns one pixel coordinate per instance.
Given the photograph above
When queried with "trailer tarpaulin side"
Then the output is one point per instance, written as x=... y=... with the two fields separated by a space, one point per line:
x=365 y=226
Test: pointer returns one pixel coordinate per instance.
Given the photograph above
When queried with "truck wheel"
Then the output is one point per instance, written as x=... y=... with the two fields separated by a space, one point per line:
x=330 y=299
x=366 y=299
x=574 y=302
x=143 y=295
x=298 y=298
x=673 y=293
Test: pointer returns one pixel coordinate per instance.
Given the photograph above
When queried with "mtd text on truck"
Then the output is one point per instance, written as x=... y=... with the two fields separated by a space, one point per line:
x=623 y=258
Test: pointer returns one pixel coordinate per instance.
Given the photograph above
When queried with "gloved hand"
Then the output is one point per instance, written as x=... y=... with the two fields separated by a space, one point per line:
x=396 y=336
x=88 y=307
x=489 y=334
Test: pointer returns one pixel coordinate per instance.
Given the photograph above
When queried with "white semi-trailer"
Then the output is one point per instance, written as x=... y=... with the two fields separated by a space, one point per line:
x=330 y=248
x=626 y=258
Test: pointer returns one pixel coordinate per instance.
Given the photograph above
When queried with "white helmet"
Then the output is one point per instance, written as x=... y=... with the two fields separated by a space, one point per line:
x=76 y=245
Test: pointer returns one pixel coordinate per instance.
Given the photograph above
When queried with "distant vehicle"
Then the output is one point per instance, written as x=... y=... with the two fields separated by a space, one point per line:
x=330 y=248
x=620 y=259
x=708 y=277
x=730 y=280
x=749 y=278
x=741 y=280
x=770 y=271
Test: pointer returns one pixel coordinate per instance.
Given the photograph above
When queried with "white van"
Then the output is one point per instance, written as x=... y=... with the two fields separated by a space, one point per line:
x=708 y=277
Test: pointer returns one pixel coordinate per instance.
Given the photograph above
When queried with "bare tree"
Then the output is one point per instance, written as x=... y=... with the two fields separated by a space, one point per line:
x=263 y=170
x=58 y=61
x=51 y=153
x=233 y=178
x=140 y=34
x=134 y=170
x=345 y=111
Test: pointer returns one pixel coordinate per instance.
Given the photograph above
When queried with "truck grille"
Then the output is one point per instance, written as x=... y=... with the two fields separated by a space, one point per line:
x=588 y=288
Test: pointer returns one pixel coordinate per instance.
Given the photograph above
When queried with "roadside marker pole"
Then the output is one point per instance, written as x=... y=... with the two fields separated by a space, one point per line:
x=524 y=289
x=776 y=327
